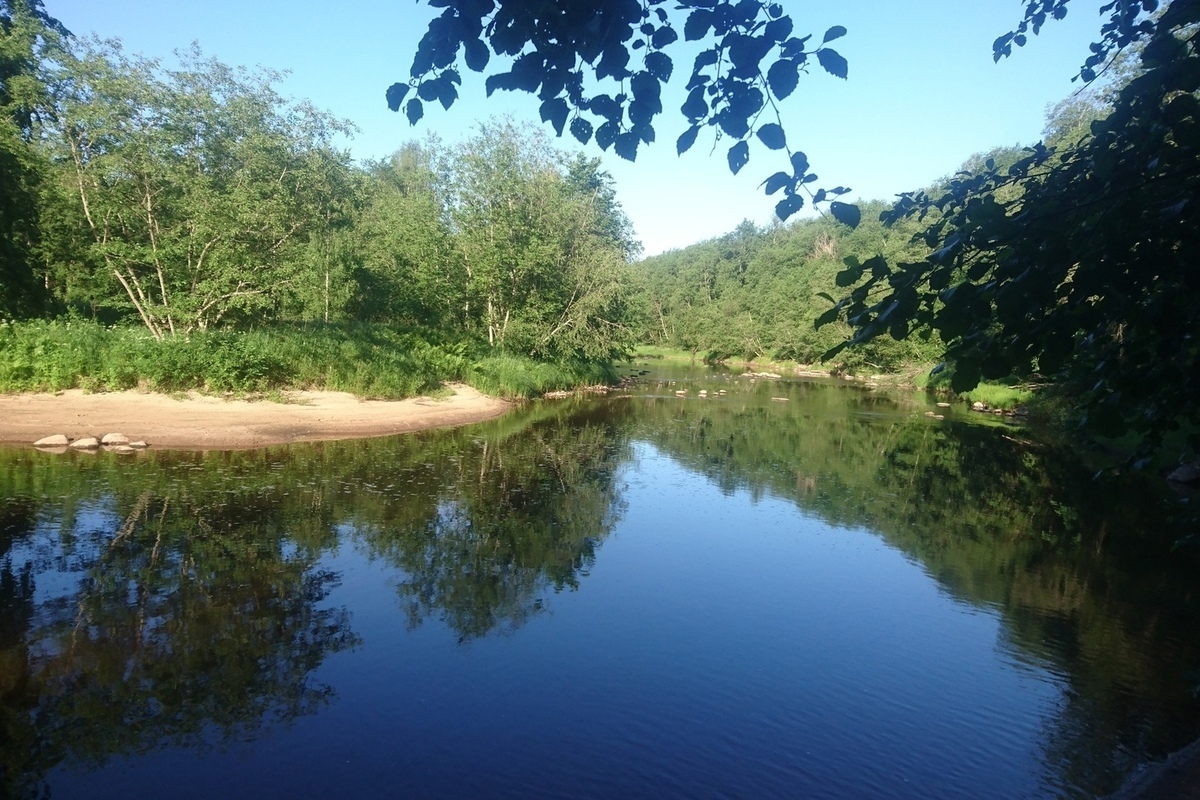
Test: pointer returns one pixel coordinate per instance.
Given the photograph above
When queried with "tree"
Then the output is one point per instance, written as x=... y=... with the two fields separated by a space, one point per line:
x=195 y=187
x=25 y=32
x=543 y=275
x=1085 y=273
x=599 y=69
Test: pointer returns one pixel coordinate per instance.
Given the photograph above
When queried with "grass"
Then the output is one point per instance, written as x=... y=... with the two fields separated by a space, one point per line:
x=370 y=361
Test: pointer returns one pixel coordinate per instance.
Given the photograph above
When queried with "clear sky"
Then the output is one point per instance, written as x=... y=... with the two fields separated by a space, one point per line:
x=923 y=93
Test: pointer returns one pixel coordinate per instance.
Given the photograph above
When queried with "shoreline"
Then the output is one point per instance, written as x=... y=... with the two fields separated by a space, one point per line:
x=201 y=422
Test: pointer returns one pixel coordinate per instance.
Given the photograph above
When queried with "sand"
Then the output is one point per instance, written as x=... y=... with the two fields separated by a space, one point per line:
x=197 y=422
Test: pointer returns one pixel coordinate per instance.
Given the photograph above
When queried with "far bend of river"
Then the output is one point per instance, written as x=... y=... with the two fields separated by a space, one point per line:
x=828 y=596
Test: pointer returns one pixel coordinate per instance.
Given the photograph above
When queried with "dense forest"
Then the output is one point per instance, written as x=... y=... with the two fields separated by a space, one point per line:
x=184 y=201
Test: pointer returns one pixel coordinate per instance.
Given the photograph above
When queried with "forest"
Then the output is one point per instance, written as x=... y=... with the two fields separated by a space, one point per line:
x=187 y=226
x=184 y=226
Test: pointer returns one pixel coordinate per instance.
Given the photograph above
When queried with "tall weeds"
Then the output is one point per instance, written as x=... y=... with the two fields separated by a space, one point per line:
x=370 y=361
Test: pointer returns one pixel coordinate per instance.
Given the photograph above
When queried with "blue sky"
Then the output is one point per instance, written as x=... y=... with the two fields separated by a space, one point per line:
x=923 y=93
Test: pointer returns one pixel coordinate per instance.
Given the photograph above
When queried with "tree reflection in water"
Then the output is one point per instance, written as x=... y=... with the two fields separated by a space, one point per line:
x=184 y=599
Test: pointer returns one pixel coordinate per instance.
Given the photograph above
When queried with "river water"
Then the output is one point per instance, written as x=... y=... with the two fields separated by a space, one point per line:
x=788 y=589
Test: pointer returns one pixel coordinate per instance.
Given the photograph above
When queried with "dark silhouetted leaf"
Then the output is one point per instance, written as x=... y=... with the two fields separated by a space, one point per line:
x=739 y=154
x=395 y=95
x=606 y=134
x=695 y=107
x=779 y=29
x=415 y=110
x=697 y=25
x=833 y=63
x=772 y=136
x=799 y=163
x=836 y=32
x=476 y=54
x=659 y=65
x=845 y=213
x=782 y=77
x=626 y=146
x=776 y=182
x=555 y=112
x=788 y=206
x=686 y=140
x=581 y=129
x=663 y=37
x=446 y=93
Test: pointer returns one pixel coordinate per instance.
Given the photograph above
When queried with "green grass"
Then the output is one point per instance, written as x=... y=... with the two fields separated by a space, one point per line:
x=370 y=361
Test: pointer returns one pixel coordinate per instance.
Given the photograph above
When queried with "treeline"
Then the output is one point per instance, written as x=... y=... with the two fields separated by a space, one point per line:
x=186 y=198
x=759 y=292
x=755 y=293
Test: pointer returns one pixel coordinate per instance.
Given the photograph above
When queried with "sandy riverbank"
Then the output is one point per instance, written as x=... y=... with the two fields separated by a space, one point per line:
x=197 y=422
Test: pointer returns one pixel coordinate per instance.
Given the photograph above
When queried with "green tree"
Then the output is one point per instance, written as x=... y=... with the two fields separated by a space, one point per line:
x=407 y=271
x=26 y=32
x=196 y=188
x=543 y=275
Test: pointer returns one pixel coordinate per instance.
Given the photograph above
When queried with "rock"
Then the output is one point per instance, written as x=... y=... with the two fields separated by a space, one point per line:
x=57 y=440
x=780 y=399
x=139 y=445
x=943 y=405
x=1186 y=473
x=930 y=414
x=114 y=438
x=86 y=443
x=978 y=406
x=120 y=448
x=681 y=392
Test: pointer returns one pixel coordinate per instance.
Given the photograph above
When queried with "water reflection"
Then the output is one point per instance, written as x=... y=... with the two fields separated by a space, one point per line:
x=185 y=599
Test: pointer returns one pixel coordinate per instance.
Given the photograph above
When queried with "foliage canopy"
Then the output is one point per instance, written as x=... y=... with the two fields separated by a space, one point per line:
x=599 y=69
x=1075 y=264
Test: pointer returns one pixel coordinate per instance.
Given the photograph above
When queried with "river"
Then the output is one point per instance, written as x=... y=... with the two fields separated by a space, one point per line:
x=780 y=589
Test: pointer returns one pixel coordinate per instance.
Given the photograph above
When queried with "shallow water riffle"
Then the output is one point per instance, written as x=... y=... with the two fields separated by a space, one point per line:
x=791 y=589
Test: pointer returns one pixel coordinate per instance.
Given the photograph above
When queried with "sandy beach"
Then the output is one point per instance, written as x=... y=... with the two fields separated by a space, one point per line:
x=198 y=422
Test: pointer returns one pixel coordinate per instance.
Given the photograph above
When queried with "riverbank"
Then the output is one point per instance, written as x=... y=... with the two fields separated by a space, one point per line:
x=201 y=422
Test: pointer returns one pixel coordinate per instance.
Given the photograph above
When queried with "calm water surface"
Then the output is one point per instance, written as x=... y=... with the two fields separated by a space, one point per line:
x=830 y=595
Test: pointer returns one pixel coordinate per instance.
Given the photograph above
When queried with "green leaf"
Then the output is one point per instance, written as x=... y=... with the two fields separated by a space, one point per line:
x=845 y=213
x=739 y=154
x=833 y=63
x=772 y=136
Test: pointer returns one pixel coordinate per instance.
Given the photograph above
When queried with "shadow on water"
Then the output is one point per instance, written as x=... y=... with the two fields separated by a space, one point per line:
x=181 y=599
